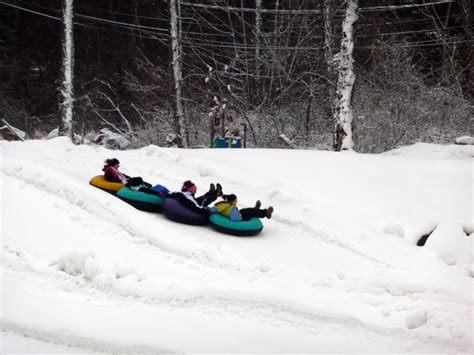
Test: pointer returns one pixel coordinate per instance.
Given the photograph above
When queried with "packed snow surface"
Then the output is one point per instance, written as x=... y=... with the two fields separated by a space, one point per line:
x=337 y=268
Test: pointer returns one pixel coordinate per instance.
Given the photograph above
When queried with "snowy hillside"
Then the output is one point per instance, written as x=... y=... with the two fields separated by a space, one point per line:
x=337 y=268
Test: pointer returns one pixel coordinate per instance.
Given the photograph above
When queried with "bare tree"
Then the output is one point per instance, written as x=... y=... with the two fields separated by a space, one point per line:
x=258 y=39
x=177 y=72
x=343 y=114
x=67 y=104
x=453 y=71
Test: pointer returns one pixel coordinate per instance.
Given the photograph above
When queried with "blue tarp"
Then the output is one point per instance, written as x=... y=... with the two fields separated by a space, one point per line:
x=227 y=142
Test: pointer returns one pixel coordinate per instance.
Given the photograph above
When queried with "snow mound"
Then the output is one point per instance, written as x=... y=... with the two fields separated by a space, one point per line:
x=434 y=151
x=465 y=140
x=451 y=244
x=416 y=319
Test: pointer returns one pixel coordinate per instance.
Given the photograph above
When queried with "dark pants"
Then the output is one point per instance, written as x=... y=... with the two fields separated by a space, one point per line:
x=248 y=213
x=137 y=181
x=206 y=199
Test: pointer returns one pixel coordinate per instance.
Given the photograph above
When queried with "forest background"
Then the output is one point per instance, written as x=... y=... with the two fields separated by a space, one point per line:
x=271 y=68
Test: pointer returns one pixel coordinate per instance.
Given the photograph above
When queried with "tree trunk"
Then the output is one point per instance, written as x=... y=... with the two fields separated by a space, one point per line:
x=258 y=44
x=328 y=57
x=65 y=127
x=343 y=114
x=467 y=50
x=328 y=41
x=177 y=73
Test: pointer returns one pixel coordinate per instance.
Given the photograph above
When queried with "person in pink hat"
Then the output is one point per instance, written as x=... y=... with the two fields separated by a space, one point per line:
x=187 y=196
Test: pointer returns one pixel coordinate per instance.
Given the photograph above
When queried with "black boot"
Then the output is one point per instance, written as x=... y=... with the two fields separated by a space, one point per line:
x=258 y=204
x=219 y=190
x=212 y=188
x=269 y=212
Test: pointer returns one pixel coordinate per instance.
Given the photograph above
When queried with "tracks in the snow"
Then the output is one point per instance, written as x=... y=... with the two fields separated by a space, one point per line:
x=83 y=198
x=82 y=344
x=327 y=237
x=262 y=308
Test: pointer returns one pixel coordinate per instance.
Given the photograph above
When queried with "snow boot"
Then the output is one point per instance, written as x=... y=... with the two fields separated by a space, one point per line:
x=258 y=204
x=219 y=190
x=269 y=212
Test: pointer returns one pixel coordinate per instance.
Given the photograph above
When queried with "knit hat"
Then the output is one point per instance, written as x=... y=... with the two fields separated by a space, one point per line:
x=230 y=197
x=189 y=186
x=112 y=162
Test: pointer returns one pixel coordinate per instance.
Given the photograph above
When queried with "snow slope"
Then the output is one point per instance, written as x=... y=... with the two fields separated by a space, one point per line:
x=337 y=268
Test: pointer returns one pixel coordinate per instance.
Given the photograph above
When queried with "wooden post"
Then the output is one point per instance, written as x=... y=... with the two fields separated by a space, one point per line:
x=222 y=122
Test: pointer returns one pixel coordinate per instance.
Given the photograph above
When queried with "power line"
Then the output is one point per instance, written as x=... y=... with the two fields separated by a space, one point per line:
x=419 y=45
x=122 y=13
x=360 y=9
x=121 y=24
x=150 y=31
x=124 y=24
x=366 y=9
x=99 y=19
x=407 y=6
x=247 y=9
x=360 y=23
x=407 y=32
x=428 y=43
x=30 y=11
x=166 y=30
x=75 y=22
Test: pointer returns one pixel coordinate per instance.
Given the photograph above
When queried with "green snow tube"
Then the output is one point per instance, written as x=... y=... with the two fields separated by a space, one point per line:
x=141 y=200
x=242 y=228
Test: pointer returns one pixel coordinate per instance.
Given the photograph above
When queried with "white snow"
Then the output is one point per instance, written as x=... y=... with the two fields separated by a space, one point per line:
x=336 y=269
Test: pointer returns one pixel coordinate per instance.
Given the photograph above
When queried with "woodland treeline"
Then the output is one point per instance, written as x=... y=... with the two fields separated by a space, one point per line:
x=273 y=66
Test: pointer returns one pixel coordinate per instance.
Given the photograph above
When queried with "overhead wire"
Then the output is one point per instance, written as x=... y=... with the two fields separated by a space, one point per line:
x=247 y=9
x=161 y=34
x=184 y=19
x=403 y=6
x=306 y=11
x=166 y=30
x=60 y=19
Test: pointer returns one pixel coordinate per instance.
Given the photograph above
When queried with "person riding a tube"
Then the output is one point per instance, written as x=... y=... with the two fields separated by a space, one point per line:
x=229 y=208
x=113 y=174
x=187 y=196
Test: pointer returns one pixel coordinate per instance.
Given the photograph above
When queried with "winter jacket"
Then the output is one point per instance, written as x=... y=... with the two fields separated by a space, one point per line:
x=113 y=175
x=228 y=209
x=189 y=201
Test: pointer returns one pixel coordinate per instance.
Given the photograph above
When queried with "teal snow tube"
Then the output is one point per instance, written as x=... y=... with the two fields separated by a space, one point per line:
x=141 y=200
x=241 y=228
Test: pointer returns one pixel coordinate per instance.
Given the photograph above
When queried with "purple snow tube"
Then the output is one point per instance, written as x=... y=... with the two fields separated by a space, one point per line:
x=175 y=211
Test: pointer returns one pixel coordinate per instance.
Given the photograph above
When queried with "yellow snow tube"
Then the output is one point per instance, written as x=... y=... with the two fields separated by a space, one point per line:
x=100 y=182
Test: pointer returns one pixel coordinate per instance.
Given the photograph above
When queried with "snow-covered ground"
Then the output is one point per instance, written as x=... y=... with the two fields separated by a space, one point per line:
x=337 y=268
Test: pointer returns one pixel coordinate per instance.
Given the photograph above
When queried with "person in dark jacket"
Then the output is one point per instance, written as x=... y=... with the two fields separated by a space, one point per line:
x=187 y=196
x=229 y=208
